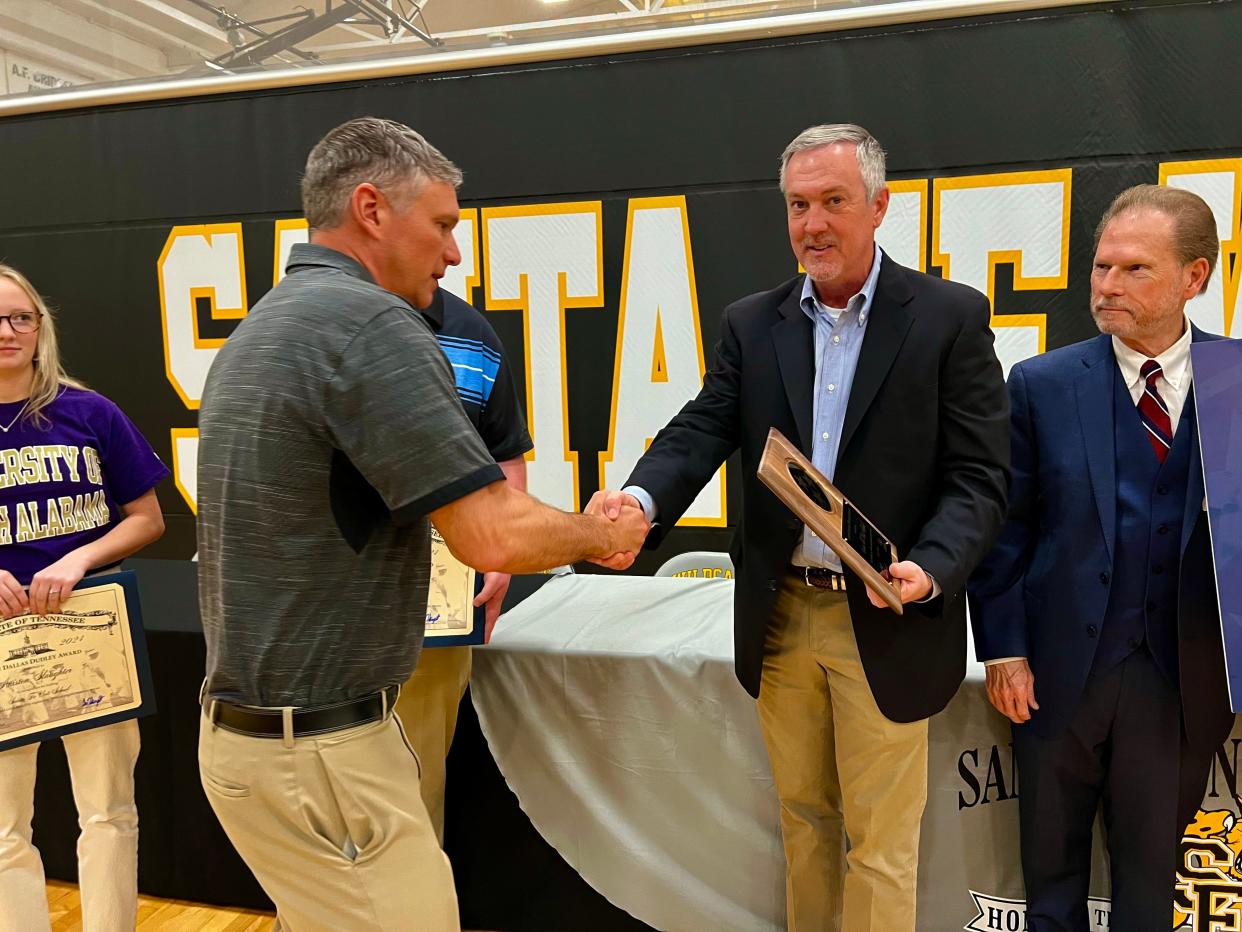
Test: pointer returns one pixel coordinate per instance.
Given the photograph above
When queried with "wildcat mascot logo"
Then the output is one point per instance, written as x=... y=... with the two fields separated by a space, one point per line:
x=1208 y=896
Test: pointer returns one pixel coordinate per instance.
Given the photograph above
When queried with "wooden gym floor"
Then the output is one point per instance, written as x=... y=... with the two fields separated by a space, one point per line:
x=166 y=915
x=155 y=914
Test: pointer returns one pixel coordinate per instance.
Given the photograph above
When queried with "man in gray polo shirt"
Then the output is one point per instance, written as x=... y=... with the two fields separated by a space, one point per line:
x=330 y=433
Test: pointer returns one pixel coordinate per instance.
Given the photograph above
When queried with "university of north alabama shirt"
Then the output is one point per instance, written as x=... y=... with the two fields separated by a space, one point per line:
x=62 y=484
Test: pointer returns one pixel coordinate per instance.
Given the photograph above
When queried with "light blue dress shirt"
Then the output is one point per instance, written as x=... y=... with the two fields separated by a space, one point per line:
x=838 y=341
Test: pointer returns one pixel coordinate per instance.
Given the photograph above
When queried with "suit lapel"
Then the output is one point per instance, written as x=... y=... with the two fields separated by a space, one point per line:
x=794 y=338
x=1194 y=484
x=1095 y=416
x=1194 y=478
x=886 y=331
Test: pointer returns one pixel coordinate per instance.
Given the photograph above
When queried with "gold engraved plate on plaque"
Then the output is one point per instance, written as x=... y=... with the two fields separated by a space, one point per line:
x=821 y=507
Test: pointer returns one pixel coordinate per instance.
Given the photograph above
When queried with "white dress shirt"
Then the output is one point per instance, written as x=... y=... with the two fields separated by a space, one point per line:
x=1173 y=382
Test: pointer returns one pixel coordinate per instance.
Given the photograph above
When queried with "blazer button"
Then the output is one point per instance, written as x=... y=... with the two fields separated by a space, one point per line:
x=1162 y=489
x=1104 y=578
x=771 y=585
x=1092 y=631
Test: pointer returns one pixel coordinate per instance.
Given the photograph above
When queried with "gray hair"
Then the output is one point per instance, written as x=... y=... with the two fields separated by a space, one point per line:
x=1194 y=224
x=388 y=154
x=870 y=155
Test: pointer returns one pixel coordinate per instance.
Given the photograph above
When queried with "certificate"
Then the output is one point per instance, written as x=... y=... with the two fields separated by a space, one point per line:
x=452 y=618
x=80 y=667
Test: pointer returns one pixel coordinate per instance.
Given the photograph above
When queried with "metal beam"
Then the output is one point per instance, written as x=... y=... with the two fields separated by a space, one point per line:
x=286 y=38
x=180 y=23
x=899 y=12
x=613 y=21
x=392 y=21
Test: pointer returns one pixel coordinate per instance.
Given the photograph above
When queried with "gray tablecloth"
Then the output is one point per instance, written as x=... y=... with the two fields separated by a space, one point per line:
x=612 y=711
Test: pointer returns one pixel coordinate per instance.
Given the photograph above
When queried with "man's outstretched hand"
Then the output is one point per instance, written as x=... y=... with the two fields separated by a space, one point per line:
x=625 y=512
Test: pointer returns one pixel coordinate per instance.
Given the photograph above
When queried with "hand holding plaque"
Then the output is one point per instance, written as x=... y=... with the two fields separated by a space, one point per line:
x=821 y=507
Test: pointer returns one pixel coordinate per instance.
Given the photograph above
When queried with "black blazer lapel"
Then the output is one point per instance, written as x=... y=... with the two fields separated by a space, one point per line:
x=886 y=331
x=1095 y=416
x=794 y=339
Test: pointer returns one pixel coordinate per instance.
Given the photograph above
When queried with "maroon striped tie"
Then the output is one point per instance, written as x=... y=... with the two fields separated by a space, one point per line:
x=1154 y=413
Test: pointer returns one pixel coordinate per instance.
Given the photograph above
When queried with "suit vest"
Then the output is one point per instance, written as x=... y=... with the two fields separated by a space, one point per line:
x=1151 y=500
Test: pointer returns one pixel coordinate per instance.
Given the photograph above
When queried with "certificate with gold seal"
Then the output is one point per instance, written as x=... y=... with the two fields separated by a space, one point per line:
x=80 y=667
x=452 y=618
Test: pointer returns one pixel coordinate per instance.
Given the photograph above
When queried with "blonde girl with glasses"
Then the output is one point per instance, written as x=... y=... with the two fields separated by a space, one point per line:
x=77 y=494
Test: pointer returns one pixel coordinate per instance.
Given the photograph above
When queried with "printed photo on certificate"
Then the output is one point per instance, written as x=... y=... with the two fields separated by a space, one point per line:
x=451 y=615
x=72 y=669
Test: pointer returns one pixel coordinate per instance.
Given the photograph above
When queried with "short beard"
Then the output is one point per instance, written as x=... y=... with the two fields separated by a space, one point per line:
x=825 y=270
x=1115 y=327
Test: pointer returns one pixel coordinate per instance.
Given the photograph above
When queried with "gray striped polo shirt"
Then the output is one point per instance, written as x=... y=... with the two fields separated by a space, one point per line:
x=330 y=428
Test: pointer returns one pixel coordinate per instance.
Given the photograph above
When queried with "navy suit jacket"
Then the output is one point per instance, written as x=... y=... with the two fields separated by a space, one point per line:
x=1043 y=590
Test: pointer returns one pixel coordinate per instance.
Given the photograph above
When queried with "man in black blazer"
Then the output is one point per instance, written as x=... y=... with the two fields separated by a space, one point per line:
x=888 y=380
x=1096 y=611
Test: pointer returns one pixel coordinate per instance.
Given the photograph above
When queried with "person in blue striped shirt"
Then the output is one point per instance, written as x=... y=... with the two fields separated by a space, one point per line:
x=429 y=701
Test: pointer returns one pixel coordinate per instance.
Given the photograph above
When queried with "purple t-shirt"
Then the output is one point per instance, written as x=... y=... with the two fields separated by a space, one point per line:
x=61 y=486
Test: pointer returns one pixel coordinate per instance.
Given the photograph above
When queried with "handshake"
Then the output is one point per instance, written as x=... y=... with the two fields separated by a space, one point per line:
x=628 y=531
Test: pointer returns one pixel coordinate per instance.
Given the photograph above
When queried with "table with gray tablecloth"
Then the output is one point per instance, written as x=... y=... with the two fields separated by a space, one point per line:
x=611 y=708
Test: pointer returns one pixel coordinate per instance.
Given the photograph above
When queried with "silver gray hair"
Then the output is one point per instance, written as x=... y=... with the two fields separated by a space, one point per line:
x=388 y=154
x=870 y=155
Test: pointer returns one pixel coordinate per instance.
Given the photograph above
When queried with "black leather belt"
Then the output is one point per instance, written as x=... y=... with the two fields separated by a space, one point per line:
x=263 y=722
x=819 y=578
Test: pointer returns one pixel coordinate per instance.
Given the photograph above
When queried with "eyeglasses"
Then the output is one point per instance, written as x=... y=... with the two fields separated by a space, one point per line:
x=23 y=321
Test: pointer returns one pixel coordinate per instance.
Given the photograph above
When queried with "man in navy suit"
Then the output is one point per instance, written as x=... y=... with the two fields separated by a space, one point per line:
x=1096 y=610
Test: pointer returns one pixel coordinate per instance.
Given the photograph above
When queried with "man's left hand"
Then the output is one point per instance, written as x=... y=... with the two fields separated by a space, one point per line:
x=492 y=595
x=914 y=581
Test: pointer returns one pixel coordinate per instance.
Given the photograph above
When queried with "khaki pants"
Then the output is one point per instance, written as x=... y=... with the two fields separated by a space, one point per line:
x=333 y=827
x=842 y=770
x=427 y=708
x=101 y=766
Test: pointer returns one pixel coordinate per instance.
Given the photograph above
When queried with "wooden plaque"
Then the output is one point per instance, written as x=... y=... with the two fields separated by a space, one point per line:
x=822 y=508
